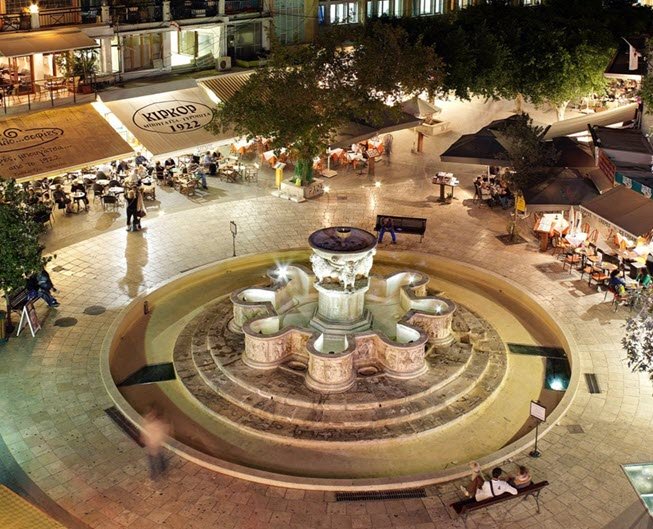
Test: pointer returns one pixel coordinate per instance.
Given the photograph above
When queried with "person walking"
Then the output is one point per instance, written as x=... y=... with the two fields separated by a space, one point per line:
x=131 y=201
x=387 y=224
x=140 y=208
x=155 y=431
x=387 y=147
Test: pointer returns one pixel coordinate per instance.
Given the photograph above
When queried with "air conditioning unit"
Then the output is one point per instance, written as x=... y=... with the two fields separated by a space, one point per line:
x=223 y=63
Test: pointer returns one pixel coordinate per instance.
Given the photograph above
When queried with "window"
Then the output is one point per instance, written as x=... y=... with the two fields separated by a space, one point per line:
x=140 y=51
x=429 y=7
x=344 y=13
x=464 y=3
x=186 y=43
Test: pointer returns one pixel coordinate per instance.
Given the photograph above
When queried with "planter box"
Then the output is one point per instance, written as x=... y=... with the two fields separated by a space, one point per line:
x=292 y=192
x=438 y=127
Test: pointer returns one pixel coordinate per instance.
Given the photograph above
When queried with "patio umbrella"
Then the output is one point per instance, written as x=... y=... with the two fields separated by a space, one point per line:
x=419 y=107
x=481 y=148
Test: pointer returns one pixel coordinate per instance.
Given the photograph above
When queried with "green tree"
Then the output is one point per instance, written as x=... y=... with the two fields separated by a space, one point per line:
x=305 y=93
x=22 y=252
x=638 y=338
x=531 y=159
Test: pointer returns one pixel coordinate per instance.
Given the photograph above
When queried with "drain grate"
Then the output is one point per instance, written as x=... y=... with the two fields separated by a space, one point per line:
x=117 y=417
x=65 y=322
x=95 y=310
x=537 y=350
x=575 y=428
x=592 y=383
x=381 y=495
x=150 y=374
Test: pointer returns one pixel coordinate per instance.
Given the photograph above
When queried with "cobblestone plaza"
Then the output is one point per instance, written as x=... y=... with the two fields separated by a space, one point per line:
x=60 y=447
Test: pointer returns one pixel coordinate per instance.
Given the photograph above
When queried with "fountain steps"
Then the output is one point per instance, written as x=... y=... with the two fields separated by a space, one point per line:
x=244 y=397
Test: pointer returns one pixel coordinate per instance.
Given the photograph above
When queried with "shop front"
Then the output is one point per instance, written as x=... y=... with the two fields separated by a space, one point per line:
x=57 y=141
x=30 y=62
x=166 y=123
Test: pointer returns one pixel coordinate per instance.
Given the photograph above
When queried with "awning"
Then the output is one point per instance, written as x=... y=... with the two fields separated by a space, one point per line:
x=625 y=209
x=572 y=153
x=636 y=180
x=54 y=141
x=28 y=43
x=601 y=181
x=355 y=131
x=169 y=123
x=562 y=191
x=615 y=116
x=225 y=86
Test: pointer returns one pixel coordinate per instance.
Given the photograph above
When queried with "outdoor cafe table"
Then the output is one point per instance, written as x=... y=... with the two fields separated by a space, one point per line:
x=78 y=196
x=116 y=190
x=102 y=182
x=445 y=180
x=549 y=225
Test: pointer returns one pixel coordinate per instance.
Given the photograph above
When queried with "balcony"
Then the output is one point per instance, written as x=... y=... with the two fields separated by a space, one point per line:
x=136 y=12
x=232 y=7
x=185 y=9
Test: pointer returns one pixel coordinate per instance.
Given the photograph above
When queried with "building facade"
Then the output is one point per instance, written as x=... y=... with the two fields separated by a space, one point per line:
x=134 y=38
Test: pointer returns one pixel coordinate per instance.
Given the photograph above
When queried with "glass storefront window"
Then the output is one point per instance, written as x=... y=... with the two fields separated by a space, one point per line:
x=187 y=43
x=141 y=51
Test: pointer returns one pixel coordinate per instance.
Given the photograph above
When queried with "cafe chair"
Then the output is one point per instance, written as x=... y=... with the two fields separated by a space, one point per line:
x=560 y=246
x=622 y=299
x=109 y=200
x=570 y=260
x=598 y=276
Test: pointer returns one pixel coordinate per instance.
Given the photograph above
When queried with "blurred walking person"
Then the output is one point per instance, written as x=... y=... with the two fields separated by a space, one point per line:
x=155 y=432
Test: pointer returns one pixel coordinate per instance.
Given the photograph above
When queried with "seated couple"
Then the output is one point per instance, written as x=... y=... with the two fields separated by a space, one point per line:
x=481 y=488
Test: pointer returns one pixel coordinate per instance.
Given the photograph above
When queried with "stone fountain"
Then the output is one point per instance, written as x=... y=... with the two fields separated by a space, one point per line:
x=348 y=332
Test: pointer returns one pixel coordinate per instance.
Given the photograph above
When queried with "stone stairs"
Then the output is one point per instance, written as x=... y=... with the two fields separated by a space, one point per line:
x=277 y=403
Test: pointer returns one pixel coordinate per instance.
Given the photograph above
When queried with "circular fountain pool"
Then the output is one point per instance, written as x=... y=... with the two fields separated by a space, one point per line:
x=391 y=424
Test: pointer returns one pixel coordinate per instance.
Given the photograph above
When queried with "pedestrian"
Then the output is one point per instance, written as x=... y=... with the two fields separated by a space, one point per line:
x=39 y=286
x=140 y=208
x=387 y=224
x=132 y=208
x=155 y=431
x=387 y=146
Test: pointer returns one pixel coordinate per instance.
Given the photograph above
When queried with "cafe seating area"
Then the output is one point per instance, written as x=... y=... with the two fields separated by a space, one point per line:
x=603 y=268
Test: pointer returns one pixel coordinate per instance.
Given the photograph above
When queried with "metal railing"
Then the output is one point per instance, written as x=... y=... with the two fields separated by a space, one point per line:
x=194 y=9
x=15 y=22
x=64 y=16
x=242 y=6
x=50 y=92
x=137 y=13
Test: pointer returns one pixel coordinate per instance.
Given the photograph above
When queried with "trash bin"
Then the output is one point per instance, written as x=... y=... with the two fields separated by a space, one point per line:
x=3 y=332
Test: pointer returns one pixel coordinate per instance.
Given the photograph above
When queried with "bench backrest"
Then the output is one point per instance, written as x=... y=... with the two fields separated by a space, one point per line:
x=406 y=223
x=465 y=506
x=17 y=298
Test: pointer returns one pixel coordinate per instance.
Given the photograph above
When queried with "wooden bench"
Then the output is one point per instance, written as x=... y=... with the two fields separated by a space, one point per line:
x=410 y=225
x=464 y=507
x=16 y=299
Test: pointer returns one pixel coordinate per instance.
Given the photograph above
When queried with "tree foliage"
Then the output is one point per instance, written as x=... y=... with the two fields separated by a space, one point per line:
x=551 y=53
x=638 y=339
x=306 y=92
x=22 y=252
x=531 y=159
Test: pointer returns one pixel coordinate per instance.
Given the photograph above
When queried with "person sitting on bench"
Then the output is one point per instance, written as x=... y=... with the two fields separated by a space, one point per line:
x=387 y=224
x=522 y=479
x=495 y=487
